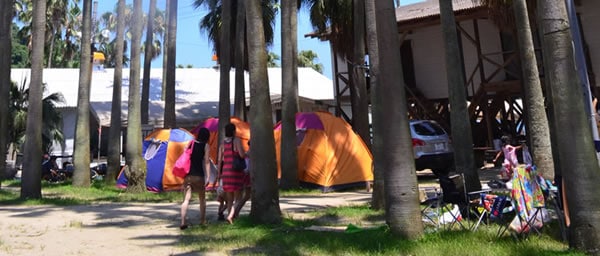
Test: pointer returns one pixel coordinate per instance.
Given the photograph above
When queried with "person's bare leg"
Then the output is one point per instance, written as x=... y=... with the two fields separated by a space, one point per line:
x=202 y=199
x=231 y=211
x=229 y=196
x=186 y=201
x=246 y=196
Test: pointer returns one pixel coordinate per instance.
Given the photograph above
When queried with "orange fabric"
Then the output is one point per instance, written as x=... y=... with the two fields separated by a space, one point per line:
x=170 y=181
x=330 y=157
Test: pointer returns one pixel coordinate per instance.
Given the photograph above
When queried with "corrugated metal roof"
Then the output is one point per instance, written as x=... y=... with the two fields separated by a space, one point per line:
x=430 y=8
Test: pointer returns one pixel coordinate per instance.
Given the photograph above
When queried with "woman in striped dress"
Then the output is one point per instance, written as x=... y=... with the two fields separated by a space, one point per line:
x=233 y=180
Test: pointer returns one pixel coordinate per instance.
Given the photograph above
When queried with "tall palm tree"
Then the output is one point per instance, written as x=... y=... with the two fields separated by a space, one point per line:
x=169 y=115
x=239 y=99
x=224 y=67
x=576 y=152
x=265 y=195
x=536 y=113
x=165 y=51
x=31 y=186
x=358 y=87
x=459 y=118
x=289 y=94
x=81 y=149
x=57 y=13
x=6 y=15
x=148 y=52
x=394 y=154
x=136 y=166
x=378 y=196
x=114 y=134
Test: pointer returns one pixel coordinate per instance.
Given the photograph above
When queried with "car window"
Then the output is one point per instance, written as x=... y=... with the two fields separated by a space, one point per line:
x=428 y=129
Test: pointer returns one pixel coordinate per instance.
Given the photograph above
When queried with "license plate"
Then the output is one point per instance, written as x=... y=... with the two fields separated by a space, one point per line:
x=440 y=146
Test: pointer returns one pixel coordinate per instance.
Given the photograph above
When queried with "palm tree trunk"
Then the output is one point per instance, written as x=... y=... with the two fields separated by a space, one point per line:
x=114 y=134
x=402 y=210
x=289 y=94
x=239 y=108
x=225 y=65
x=6 y=16
x=31 y=185
x=358 y=87
x=537 y=125
x=148 y=61
x=136 y=166
x=51 y=49
x=459 y=118
x=265 y=195
x=378 y=196
x=576 y=152
x=81 y=149
x=169 y=116
x=165 y=51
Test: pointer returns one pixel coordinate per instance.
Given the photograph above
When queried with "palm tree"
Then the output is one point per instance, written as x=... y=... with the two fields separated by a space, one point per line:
x=31 y=186
x=265 y=195
x=378 y=197
x=57 y=13
x=459 y=118
x=394 y=154
x=306 y=59
x=224 y=67
x=536 y=113
x=6 y=16
x=169 y=115
x=358 y=86
x=239 y=102
x=51 y=117
x=576 y=152
x=165 y=51
x=149 y=51
x=136 y=166
x=272 y=59
x=81 y=149
x=289 y=94
x=114 y=134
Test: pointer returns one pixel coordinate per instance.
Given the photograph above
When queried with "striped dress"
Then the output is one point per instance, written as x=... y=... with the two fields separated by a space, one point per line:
x=232 y=180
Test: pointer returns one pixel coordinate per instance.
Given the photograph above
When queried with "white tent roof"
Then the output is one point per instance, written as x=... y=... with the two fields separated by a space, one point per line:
x=196 y=89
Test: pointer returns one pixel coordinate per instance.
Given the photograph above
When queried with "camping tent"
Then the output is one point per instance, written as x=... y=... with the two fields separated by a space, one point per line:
x=242 y=131
x=330 y=155
x=161 y=149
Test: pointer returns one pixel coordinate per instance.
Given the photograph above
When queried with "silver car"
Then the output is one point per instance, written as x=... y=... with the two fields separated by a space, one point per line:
x=432 y=147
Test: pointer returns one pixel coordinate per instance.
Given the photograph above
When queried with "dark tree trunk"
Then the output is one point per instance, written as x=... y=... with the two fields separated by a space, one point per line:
x=358 y=87
x=239 y=108
x=225 y=66
x=165 y=51
x=6 y=15
x=148 y=61
x=169 y=115
x=289 y=92
x=114 y=134
x=265 y=195
x=81 y=149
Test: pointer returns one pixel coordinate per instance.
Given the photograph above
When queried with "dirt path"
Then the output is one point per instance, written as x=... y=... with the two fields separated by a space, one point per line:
x=132 y=229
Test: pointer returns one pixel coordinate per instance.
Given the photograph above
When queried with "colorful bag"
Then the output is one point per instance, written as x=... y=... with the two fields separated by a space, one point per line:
x=182 y=165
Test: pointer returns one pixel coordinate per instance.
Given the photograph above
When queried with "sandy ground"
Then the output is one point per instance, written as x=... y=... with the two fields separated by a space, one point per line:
x=131 y=229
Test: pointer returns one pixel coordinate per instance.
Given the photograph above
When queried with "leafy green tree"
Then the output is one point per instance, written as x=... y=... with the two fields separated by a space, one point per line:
x=31 y=186
x=273 y=60
x=306 y=59
x=19 y=54
x=81 y=148
x=265 y=194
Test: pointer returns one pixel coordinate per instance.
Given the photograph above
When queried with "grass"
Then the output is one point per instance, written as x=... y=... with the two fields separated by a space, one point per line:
x=293 y=238
x=64 y=194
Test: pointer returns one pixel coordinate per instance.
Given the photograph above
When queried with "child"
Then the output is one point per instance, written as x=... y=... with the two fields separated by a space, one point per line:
x=510 y=156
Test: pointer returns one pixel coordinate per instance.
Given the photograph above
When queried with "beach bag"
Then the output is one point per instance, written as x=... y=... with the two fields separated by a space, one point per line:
x=239 y=164
x=182 y=165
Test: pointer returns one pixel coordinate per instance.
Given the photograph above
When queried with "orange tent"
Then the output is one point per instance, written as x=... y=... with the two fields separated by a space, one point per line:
x=330 y=155
x=242 y=131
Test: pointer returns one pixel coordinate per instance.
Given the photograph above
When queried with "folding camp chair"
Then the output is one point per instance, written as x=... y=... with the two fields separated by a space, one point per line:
x=494 y=209
x=528 y=201
x=453 y=200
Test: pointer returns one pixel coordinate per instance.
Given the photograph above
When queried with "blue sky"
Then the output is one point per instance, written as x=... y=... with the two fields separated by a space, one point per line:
x=194 y=47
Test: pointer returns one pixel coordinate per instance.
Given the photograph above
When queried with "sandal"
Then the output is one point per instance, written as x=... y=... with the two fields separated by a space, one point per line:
x=183 y=227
